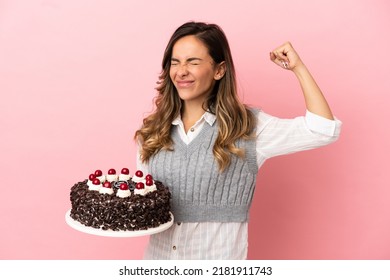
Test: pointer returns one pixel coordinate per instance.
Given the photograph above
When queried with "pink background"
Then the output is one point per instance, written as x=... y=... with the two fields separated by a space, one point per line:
x=77 y=77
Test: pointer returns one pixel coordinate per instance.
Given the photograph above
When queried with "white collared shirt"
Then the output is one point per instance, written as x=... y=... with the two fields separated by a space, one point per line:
x=211 y=240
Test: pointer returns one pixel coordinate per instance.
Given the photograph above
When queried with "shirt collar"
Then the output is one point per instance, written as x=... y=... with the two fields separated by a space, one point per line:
x=207 y=117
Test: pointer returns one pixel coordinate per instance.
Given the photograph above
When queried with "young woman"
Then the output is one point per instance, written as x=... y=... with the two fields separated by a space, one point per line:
x=207 y=146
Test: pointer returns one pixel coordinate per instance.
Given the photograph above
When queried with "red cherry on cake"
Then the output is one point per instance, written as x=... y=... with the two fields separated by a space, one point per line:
x=91 y=177
x=125 y=171
x=111 y=171
x=98 y=173
x=107 y=184
x=139 y=173
x=148 y=177
x=124 y=186
x=140 y=186
x=149 y=182
x=96 y=181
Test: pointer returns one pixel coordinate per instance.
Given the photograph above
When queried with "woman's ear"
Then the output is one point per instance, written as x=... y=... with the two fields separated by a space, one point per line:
x=221 y=69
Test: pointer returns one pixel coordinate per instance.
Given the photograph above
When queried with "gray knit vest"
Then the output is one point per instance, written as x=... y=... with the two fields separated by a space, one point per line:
x=200 y=193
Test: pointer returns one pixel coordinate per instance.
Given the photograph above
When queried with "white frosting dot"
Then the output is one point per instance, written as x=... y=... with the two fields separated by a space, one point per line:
x=124 y=177
x=112 y=177
x=104 y=190
x=93 y=187
x=123 y=193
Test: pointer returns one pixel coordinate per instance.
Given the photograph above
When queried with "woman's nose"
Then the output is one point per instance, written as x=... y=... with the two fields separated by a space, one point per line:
x=182 y=70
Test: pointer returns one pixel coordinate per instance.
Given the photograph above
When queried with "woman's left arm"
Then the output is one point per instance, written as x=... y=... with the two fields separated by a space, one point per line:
x=286 y=57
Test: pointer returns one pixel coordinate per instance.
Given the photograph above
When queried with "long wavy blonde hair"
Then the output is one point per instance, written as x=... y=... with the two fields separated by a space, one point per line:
x=235 y=120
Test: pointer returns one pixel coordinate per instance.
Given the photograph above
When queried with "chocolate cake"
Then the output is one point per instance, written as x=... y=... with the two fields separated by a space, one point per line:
x=120 y=203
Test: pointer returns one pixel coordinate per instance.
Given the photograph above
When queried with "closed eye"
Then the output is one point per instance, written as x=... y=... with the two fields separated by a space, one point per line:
x=194 y=61
x=190 y=61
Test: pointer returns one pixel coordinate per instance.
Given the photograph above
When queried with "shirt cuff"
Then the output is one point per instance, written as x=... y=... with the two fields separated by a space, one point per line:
x=320 y=124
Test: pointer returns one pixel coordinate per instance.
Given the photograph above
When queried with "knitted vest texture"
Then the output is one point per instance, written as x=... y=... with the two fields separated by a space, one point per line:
x=200 y=193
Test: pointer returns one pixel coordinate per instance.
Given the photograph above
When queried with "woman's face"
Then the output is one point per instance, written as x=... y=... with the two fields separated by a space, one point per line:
x=192 y=71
